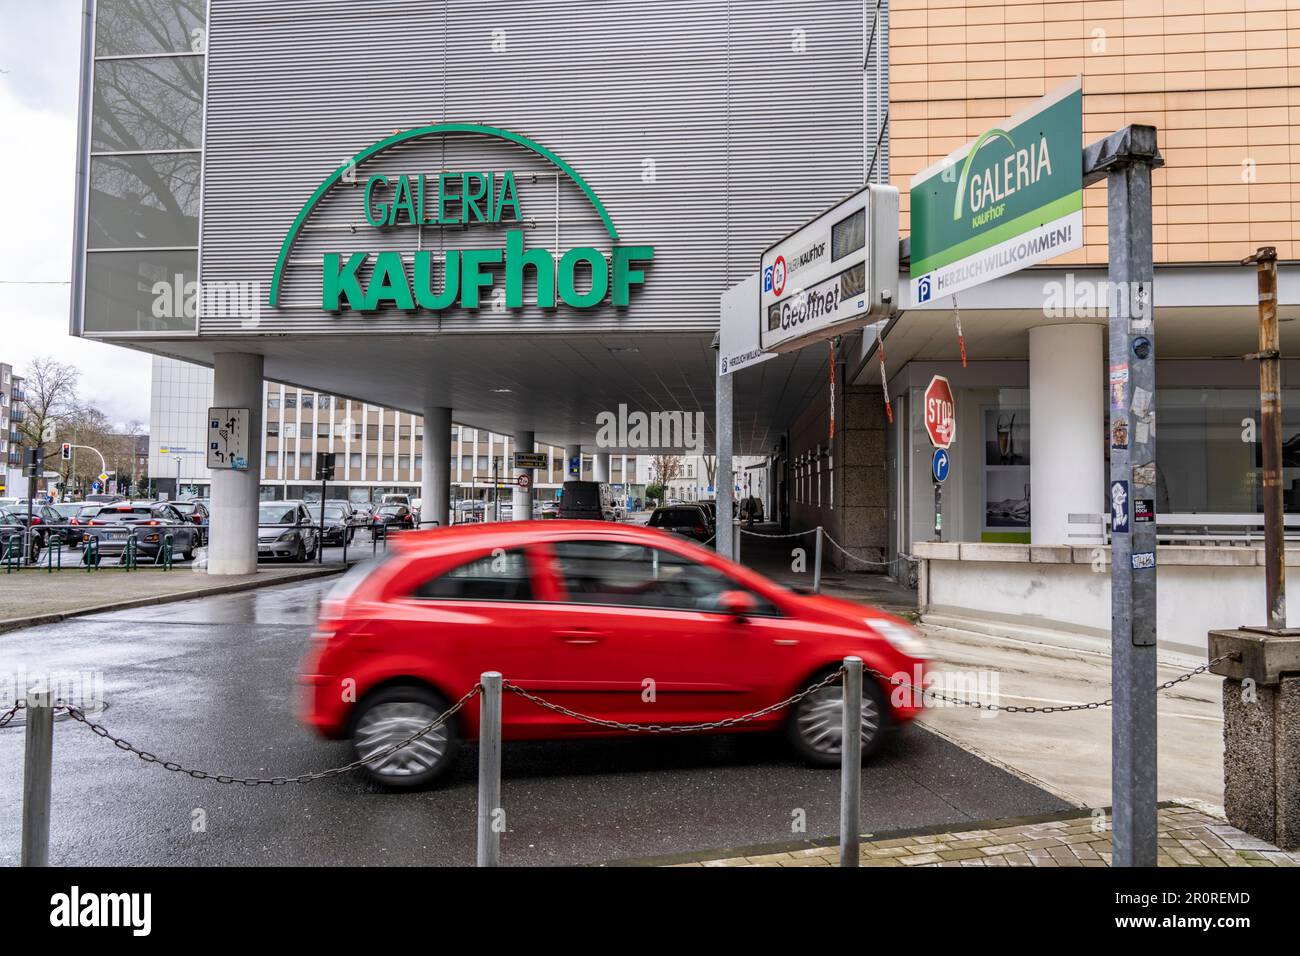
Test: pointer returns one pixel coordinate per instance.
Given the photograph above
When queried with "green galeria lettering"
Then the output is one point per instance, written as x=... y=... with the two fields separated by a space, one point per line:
x=468 y=273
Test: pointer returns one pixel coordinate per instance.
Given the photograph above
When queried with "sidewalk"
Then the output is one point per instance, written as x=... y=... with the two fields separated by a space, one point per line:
x=32 y=596
x=1187 y=837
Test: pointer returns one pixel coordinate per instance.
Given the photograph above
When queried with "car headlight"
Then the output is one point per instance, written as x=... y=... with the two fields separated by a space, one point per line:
x=903 y=637
x=286 y=536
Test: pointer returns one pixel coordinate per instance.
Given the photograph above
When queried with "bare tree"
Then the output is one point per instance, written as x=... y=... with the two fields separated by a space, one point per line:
x=710 y=467
x=51 y=388
x=666 y=468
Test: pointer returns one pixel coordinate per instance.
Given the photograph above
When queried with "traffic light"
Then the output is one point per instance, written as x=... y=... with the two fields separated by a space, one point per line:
x=35 y=462
x=65 y=451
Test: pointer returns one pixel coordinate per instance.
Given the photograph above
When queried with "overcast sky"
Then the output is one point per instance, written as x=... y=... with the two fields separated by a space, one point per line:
x=39 y=75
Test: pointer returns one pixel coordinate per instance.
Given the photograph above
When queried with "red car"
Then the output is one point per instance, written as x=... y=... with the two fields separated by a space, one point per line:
x=613 y=620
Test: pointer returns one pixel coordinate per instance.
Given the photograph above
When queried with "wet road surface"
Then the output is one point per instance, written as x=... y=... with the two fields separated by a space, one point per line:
x=210 y=683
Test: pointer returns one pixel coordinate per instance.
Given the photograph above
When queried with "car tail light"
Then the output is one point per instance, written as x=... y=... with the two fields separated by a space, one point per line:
x=196 y=519
x=35 y=520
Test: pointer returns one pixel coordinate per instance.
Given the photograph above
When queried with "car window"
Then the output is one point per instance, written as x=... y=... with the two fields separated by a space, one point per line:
x=632 y=575
x=276 y=514
x=499 y=576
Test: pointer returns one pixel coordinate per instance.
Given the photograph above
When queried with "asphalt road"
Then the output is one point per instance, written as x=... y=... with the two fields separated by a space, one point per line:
x=210 y=683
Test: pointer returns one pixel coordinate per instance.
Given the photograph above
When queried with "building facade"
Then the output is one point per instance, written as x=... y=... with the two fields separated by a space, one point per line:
x=377 y=450
x=12 y=415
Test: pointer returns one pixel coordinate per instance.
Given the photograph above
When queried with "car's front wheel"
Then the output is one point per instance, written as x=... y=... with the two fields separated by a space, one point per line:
x=816 y=723
x=392 y=715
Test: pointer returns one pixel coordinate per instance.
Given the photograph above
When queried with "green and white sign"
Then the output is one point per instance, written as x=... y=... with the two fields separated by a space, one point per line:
x=1009 y=199
x=371 y=278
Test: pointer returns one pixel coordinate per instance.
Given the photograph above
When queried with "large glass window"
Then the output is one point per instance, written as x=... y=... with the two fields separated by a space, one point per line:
x=126 y=27
x=141 y=291
x=147 y=104
x=144 y=201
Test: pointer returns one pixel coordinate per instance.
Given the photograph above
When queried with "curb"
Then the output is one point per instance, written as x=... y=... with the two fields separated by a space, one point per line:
x=789 y=846
x=16 y=623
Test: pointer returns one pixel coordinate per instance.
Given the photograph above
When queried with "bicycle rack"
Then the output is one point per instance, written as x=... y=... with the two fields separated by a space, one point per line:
x=90 y=557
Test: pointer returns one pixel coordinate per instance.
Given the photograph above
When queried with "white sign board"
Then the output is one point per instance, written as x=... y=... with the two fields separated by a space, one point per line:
x=228 y=438
x=737 y=333
x=833 y=275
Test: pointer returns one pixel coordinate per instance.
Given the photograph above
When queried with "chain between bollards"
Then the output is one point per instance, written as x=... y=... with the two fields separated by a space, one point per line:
x=36 y=777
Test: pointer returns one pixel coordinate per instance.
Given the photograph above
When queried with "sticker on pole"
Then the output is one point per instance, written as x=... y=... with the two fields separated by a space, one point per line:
x=940 y=413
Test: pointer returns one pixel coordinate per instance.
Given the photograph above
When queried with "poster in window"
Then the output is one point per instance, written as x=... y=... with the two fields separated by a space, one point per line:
x=1006 y=469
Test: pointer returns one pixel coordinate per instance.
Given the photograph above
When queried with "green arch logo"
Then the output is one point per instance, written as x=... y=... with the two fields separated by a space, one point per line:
x=985 y=137
x=436 y=129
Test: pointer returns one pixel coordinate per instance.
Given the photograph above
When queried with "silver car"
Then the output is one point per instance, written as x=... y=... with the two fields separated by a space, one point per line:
x=285 y=530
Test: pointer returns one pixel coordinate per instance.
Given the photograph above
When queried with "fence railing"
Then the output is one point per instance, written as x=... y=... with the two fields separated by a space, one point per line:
x=39 y=709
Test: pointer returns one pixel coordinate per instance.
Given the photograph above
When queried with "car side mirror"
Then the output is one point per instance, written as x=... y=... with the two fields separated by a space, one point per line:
x=739 y=604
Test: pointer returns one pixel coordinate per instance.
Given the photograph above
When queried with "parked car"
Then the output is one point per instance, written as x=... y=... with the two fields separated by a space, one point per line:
x=587 y=501
x=196 y=513
x=13 y=525
x=150 y=521
x=104 y=499
x=577 y=612
x=710 y=507
x=751 y=509
x=688 y=521
x=340 y=522
x=72 y=527
x=393 y=517
x=285 y=529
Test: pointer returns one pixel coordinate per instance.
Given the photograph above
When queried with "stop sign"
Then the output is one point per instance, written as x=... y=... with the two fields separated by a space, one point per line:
x=940 y=413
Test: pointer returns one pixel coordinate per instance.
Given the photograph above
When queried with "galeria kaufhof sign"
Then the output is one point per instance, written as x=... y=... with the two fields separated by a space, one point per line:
x=365 y=281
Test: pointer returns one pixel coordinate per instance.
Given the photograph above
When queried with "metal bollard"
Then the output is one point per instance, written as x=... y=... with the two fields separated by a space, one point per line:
x=817 y=563
x=36 y=778
x=851 y=762
x=489 y=769
x=735 y=541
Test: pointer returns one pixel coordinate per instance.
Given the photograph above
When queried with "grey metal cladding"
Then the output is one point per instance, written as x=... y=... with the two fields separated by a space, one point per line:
x=708 y=129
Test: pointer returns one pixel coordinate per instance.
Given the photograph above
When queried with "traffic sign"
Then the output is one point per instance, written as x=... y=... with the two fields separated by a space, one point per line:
x=103 y=477
x=940 y=413
x=530 y=459
x=524 y=481
x=940 y=464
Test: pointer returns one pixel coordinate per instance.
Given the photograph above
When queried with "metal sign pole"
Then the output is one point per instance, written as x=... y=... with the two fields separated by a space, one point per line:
x=1126 y=159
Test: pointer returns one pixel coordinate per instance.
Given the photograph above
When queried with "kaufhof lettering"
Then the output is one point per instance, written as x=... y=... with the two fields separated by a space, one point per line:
x=584 y=277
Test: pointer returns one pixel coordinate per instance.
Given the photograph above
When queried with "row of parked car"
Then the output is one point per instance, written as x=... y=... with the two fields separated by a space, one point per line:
x=109 y=521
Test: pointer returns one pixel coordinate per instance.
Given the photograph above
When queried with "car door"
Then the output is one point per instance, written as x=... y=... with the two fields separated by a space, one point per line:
x=636 y=637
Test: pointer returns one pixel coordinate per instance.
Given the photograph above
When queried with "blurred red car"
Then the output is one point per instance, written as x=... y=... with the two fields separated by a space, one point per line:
x=617 y=621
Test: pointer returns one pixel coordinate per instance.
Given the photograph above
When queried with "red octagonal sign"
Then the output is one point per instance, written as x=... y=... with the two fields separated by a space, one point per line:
x=940 y=413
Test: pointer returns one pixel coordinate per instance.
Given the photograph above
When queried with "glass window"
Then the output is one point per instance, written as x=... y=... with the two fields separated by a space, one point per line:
x=372 y=432
x=354 y=459
x=291 y=400
x=322 y=429
x=272 y=459
x=371 y=462
x=304 y=460
x=148 y=104
x=501 y=576
x=144 y=200
x=124 y=27
x=388 y=433
x=419 y=462
x=136 y=291
x=388 y=463
x=632 y=575
x=403 y=462
x=356 y=431
x=323 y=401
x=290 y=429
x=309 y=400
x=467 y=465
x=273 y=401
x=272 y=429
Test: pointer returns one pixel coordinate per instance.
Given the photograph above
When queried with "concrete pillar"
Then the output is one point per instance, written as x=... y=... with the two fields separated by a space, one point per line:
x=523 y=497
x=571 y=452
x=600 y=466
x=232 y=548
x=435 y=450
x=1066 y=430
x=722 y=477
x=1261 y=732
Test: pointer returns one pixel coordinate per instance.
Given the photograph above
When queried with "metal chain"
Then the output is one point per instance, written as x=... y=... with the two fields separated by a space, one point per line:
x=792 y=534
x=388 y=751
x=673 y=728
x=1048 y=709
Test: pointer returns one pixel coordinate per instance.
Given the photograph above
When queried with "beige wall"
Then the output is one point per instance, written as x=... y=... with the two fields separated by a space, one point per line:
x=1220 y=79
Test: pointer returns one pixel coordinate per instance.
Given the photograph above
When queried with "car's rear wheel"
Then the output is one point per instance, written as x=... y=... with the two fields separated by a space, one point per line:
x=392 y=715
x=816 y=723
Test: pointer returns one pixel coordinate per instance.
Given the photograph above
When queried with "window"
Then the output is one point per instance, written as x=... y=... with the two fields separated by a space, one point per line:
x=388 y=463
x=272 y=459
x=322 y=429
x=290 y=429
x=304 y=460
x=273 y=429
x=403 y=462
x=273 y=401
x=419 y=462
x=309 y=400
x=354 y=459
x=371 y=462
x=291 y=401
x=632 y=575
x=388 y=433
x=494 y=577
x=323 y=401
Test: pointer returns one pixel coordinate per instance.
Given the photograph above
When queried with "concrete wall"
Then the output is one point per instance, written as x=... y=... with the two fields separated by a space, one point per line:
x=854 y=500
x=1067 y=589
